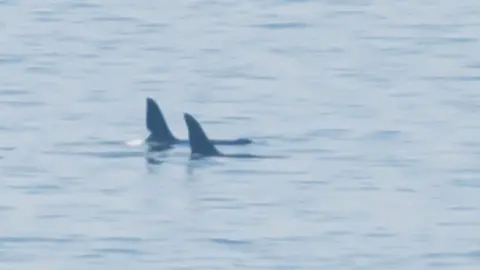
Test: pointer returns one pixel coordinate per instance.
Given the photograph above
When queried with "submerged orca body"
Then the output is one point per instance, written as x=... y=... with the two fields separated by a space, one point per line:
x=202 y=146
x=162 y=137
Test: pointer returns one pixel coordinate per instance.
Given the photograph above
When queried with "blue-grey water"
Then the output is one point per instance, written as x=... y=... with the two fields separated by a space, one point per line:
x=376 y=105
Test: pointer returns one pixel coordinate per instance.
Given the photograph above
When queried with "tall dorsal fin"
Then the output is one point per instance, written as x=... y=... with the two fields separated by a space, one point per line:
x=156 y=123
x=199 y=142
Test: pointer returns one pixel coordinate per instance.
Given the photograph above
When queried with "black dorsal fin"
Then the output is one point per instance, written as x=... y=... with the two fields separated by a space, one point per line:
x=156 y=123
x=199 y=142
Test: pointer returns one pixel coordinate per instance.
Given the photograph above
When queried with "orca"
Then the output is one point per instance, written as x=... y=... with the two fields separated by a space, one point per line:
x=161 y=137
x=202 y=146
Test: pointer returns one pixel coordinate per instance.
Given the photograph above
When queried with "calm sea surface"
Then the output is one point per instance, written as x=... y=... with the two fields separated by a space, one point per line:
x=376 y=105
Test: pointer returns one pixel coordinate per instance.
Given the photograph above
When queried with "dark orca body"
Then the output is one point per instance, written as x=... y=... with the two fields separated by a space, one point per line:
x=161 y=137
x=202 y=146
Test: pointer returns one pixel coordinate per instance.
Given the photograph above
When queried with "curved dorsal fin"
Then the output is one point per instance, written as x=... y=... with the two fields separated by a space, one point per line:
x=199 y=142
x=156 y=123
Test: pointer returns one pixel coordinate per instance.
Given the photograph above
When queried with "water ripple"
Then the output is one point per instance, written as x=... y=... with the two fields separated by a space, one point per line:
x=373 y=103
x=282 y=25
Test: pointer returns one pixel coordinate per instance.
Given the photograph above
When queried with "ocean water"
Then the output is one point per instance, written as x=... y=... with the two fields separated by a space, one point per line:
x=376 y=105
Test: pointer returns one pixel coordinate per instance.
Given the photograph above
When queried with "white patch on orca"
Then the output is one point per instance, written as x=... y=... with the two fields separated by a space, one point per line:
x=136 y=142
